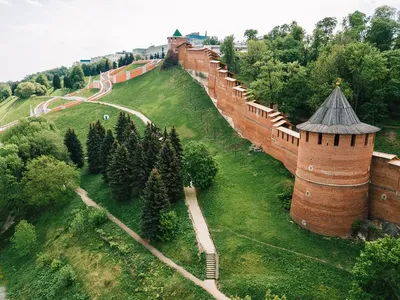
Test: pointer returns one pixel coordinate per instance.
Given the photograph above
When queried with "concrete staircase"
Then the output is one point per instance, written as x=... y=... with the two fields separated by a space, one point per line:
x=211 y=265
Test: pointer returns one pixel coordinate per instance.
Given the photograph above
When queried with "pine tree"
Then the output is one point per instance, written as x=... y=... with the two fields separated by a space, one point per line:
x=130 y=126
x=135 y=161
x=95 y=138
x=106 y=149
x=119 y=175
x=74 y=147
x=155 y=202
x=120 y=127
x=151 y=147
x=170 y=170
x=67 y=82
x=115 y=65
x=176 y=143
x=56 y=82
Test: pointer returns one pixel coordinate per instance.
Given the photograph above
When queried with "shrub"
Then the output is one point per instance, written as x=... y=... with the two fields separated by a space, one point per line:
x=42 y=259
x=168 y=225
x=97 y=217
x=5 y=91
x=79 y=223
x=24 y=238
x=41 y=90
x=56 y=264
x=286 y=193
x=25 y=90
x=66 y=277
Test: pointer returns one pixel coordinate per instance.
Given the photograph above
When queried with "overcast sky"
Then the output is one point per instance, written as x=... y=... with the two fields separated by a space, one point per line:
x=36 y=35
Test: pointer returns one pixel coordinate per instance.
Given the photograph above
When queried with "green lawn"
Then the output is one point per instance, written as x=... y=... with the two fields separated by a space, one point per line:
x=57 y=103
x=87 y=93
x=21 y=108
x=388 y=139
x=61 y=92
x=108 y=263
x=131 y=67
x=184 y=248
x=78 y=117
x=6 y=106
x=260 y=247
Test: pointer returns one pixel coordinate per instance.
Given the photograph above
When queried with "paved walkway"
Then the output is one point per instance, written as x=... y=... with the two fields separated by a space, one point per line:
x=2 y=293
x=199 y=223
x=128 y=110
x=207 y=285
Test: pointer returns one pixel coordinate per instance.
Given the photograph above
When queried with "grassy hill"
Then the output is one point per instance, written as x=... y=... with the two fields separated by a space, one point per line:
x=260 y=247
x=15 y=108
x=183 y=249
x=108 y=265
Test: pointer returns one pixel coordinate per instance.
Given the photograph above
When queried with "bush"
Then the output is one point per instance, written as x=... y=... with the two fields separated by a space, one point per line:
x=79 y=223
x=42 y=259
x=168 y=225
x=56 y=264
x=41 y=90
x=5 y=91
x=65 y=277
x=25 y=90
x=286 y=193
x=97 y=217
x=24 y=238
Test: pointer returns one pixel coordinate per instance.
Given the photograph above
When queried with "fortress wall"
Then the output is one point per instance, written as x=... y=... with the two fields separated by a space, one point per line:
x=264 y=127
x=384 y=190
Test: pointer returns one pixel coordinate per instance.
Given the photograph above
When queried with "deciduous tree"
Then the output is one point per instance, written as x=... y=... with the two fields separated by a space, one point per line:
x=199 y=167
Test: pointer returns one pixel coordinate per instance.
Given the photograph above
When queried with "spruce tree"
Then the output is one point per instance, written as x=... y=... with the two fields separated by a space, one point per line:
x=74 y=147
x=151 y=147
x=115 y=65
x=135 y=161
x=176 y=143
x=170 y=169
x=131 y=126
x=155 y=202
x=120 y=127
x=56 y=82
x=106 y=149
x=119 y=174
x=94 y=141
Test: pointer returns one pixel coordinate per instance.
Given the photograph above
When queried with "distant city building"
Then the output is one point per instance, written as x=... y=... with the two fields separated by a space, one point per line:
x=240 y=47
x=196 y=39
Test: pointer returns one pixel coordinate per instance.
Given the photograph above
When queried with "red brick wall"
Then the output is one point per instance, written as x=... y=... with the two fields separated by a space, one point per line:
x=330 y=208
x=384 y=198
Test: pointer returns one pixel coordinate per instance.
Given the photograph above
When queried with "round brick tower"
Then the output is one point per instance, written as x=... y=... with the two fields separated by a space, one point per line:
x=333 y=169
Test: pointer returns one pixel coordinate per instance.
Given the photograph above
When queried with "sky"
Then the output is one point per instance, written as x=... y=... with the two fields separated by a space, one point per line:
x=37 y=35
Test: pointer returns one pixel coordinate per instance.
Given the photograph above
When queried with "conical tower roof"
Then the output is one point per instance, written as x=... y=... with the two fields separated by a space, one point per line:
x=177 y=33
x=336 y=116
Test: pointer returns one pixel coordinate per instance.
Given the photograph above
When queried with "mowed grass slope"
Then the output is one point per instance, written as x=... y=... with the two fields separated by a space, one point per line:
x=183 y=249
x=20 y=108
x=260 y=247
x=108 y=263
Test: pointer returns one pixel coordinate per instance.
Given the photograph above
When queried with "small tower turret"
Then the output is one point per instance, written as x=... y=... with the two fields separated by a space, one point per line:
x=333 y=168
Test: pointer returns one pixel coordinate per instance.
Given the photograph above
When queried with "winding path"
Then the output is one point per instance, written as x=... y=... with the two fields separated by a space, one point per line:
x=207 y=285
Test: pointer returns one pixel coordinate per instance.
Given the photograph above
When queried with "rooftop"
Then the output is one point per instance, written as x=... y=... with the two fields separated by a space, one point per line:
x=177 y=33
x=336 y=116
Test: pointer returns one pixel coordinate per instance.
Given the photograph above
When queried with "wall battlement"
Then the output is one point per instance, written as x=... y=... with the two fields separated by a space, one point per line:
x=378 y=184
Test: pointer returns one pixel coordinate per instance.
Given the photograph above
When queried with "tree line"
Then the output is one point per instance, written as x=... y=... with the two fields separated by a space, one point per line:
x=298 y=71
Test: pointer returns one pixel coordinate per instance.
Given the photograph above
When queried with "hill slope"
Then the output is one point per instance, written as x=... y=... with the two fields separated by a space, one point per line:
x=260 y=247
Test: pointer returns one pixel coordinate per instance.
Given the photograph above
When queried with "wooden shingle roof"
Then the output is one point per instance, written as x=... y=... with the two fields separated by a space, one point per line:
x=336 y=116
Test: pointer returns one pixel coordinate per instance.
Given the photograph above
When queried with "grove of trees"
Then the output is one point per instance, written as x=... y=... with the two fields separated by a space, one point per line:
x=297 y=70
x=151 y=167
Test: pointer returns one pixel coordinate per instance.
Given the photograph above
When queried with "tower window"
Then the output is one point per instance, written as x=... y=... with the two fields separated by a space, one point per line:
x=366 y=139
x=287 y=138
x=336 y=142
x=278 y=133
x=307 y=136
x=319 y=138
x=353 y=140
x=292 y=139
